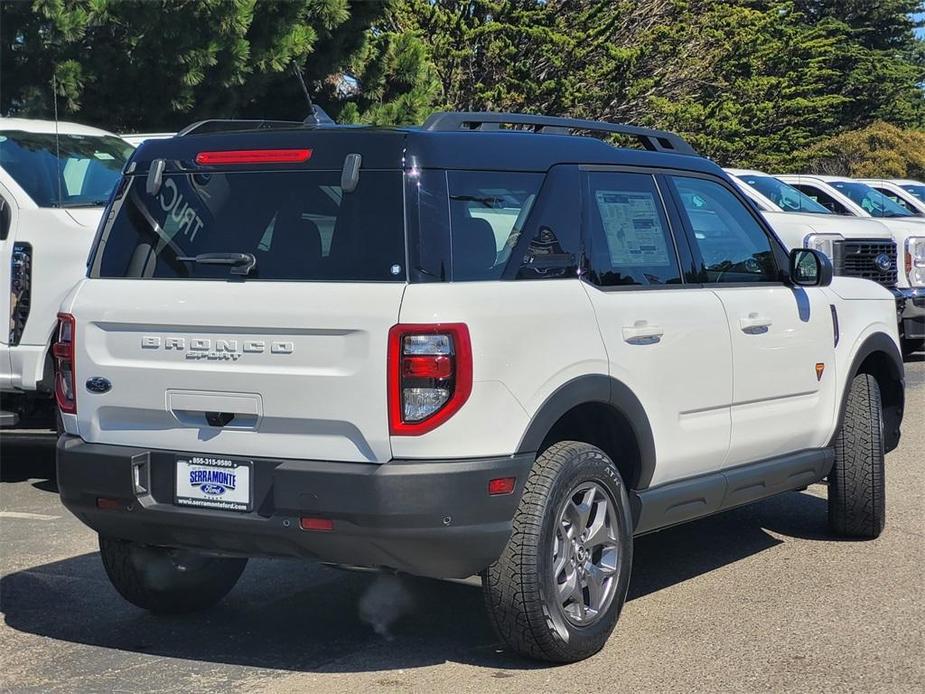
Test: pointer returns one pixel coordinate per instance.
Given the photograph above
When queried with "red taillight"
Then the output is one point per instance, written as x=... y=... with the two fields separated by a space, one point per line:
x=501 y=485
x=105 y=504
x=429 y=375
x=254 y=156
x=63 y=352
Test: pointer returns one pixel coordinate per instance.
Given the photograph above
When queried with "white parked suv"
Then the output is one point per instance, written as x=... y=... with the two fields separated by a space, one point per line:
x=846 y=196
x=54 y=183
x=451 y=350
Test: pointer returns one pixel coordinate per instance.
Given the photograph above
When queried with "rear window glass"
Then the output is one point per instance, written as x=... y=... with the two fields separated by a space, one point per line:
x=297 y=225
x=64 y=171
x=487 y=213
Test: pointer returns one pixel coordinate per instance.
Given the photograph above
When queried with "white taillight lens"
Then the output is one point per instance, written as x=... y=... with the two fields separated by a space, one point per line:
x=421 y=403
x=430 y=375
x=915 y=261
x=63 y=352
x=823 y=242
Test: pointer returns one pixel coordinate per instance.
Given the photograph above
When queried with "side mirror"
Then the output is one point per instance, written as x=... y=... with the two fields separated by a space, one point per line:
x=810 y=268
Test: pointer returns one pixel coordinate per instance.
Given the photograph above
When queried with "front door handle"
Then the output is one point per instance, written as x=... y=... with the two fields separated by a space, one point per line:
x=754 y=324
x=641 y=333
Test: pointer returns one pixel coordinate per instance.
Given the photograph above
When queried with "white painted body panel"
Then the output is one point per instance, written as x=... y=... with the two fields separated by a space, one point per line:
x=60 y=241
x=308 y=381
x=528 y=339
x=684 y=381
x=779 y=334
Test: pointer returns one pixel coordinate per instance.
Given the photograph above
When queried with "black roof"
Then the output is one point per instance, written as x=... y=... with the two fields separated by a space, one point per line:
x=451 y=141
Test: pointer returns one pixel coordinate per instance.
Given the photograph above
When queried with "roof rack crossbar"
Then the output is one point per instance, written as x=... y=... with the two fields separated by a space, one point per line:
x=212 y=125
x=653 y=140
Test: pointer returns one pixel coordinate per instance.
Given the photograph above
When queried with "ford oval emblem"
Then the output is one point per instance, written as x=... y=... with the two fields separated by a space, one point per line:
x=883 y=262
x=98 y=384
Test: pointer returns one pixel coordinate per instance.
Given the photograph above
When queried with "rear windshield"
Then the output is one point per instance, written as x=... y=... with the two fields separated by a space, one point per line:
x=67 y=171
x=296 y=225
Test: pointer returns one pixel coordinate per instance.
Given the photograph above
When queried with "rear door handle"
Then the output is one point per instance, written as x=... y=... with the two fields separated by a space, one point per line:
x=641 y=333
x=755 y=324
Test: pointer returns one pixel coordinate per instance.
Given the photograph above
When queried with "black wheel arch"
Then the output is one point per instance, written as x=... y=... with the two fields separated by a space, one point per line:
x=879 y=356
x=600 y=390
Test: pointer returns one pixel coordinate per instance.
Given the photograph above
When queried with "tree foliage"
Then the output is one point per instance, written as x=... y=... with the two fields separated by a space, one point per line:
x=128 y=64
x=879 y=150
x=747 y=81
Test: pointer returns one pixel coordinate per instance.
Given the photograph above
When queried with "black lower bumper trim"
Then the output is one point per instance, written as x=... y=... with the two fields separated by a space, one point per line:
x=431 y=518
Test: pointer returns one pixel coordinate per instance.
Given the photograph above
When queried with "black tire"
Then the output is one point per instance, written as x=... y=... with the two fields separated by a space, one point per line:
x=857 y=495
x=520 y=587
x=168 y=581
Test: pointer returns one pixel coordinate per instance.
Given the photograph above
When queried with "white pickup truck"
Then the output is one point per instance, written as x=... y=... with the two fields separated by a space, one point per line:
x=845 y=196
x=55 y=180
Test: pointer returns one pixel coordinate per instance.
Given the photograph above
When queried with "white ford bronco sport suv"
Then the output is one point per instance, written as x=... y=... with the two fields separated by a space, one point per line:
x=484 y=345
x=55 y=181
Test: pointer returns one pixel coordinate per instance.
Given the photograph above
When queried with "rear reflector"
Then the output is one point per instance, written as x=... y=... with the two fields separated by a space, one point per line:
x=322 y=524
x=254 y=156
x=501 y=485
x=108 y=504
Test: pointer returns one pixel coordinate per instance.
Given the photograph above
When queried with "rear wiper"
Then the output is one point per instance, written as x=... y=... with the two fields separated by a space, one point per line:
x=88 y=203
x=242 y=263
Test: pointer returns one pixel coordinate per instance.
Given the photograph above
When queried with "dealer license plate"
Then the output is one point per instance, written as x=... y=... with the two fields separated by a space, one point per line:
x=214 y=483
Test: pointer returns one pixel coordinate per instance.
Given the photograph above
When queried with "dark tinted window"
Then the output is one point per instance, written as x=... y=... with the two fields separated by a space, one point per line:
x=70 y=171
x=629 y=238
x=823 y=198
x=487 y=212
x=297 y=225
x=732 y=244
x=552 y=248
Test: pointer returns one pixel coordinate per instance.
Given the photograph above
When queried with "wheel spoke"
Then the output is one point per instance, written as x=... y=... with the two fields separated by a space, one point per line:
x=595 y=581
x=567 y=588
x=565 y=554
x=600 y=532
x=578 y=596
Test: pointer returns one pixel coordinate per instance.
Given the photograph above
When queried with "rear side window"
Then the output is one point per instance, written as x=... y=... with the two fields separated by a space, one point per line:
x=487 y=212
x=823 y=198
x=630 y=241
x=297 y=225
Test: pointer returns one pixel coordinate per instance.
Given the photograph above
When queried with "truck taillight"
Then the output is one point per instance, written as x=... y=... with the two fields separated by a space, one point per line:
x=20 y=289
x=63 y=352
x=429 y=375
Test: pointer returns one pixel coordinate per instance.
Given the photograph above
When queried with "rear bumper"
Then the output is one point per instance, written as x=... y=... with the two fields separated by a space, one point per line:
x=427 y=518
x=912 y=316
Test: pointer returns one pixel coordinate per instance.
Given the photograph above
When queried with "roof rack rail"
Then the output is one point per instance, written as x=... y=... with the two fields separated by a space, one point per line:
x=217 y=125
x=653 y=140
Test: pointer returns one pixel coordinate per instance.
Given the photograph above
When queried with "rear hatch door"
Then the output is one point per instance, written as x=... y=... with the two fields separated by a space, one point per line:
x=286 y=358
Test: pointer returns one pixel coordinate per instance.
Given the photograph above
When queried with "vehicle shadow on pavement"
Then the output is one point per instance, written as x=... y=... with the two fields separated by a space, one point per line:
x=301 y=616
x=29 y=458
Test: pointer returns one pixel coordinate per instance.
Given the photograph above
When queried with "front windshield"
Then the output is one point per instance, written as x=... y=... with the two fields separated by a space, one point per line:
x=75 y=171
x=875 y=203
x=786 y=197
x=917 y=189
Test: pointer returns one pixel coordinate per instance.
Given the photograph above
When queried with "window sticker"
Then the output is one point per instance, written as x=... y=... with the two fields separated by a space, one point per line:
x=633 y=228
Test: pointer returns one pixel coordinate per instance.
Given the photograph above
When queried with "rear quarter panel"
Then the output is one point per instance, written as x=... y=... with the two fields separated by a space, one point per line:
x=528 y=339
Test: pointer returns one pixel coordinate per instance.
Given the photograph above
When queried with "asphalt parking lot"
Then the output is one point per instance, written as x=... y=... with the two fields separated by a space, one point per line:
x=757 y=599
